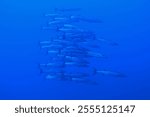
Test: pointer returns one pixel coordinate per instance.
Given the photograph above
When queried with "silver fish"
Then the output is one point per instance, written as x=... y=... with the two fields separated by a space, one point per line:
x=109 y=73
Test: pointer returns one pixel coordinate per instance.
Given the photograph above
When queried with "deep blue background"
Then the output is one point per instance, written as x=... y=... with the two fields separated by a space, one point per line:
x=125 y=21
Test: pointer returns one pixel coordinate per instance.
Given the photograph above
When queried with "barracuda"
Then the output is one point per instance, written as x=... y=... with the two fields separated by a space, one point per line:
x=108 y=73
x=72 y=48
x=45 y=42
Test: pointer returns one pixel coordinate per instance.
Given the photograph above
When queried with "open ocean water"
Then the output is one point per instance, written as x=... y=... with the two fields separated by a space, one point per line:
x=126 y=22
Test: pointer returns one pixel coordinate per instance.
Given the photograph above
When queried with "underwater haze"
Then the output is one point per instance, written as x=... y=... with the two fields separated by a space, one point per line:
x=126 y=22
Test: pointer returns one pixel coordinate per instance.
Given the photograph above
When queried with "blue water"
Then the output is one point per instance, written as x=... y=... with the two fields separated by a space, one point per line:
x=126 y=22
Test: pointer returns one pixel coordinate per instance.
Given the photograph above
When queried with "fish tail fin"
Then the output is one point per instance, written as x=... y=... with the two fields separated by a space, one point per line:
x=40 y=70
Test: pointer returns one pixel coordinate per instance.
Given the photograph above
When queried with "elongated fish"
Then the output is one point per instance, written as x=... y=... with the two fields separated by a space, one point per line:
x=108 y=73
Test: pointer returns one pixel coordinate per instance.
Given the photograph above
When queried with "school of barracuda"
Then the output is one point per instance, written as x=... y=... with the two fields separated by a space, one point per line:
x=70 y=49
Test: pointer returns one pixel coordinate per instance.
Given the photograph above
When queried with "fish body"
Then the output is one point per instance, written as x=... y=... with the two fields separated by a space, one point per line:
x=56 y=52
x=96 y=54
x=45 y=42
x=109 y=73
x=80 y=64
x=54 y=76
x=52 y=15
